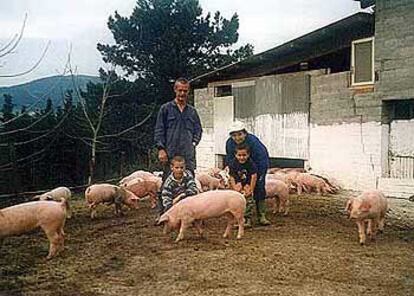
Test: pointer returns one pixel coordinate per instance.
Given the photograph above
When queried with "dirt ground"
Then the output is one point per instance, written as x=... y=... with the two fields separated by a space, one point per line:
x=312 y=251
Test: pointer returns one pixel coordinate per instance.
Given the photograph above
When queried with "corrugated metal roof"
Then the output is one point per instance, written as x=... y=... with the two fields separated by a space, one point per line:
x=323 y=41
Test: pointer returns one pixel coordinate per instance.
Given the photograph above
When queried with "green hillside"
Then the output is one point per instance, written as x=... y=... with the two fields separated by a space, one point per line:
x=50 y=87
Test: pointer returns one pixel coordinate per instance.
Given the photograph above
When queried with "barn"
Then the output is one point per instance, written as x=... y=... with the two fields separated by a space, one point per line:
x=338 y=100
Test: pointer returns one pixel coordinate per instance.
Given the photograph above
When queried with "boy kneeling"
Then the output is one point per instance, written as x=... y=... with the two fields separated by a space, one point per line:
x=243 y=178
x=178 y=185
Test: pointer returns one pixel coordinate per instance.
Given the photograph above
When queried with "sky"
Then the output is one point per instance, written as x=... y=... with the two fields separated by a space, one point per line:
x=78 y=25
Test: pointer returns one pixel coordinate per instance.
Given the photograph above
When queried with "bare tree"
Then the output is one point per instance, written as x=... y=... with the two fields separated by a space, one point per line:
x=95 y=118
x=10 y=47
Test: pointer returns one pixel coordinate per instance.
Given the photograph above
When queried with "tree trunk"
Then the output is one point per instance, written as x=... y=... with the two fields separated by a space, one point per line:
x=92 y=163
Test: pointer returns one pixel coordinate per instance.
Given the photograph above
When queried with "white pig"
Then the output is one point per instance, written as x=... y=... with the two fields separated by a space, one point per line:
x=138 y=174
x=48 y=215
x=278 y=191
x=370 y=207
x=203 y=206
x=57 y=194
x=108 y=193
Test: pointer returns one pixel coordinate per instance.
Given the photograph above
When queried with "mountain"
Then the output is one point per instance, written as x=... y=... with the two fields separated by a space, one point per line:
x=52 y=87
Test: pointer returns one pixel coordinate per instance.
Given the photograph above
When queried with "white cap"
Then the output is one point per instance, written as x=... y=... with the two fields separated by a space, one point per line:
x=237 y=126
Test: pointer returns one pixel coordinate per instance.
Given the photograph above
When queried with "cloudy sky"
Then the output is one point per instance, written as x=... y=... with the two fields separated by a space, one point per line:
x=82 y=24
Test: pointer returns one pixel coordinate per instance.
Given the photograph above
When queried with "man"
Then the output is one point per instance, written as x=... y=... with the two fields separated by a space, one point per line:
x=260 y=157
x=177 y=131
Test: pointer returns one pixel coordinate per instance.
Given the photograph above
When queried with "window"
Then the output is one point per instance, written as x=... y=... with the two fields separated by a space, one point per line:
x=404 y=109
x=398 y=110
x=223 y=91
x=362 y=63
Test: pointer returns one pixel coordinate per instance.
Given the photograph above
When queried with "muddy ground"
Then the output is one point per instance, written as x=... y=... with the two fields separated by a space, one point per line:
x=312 y=251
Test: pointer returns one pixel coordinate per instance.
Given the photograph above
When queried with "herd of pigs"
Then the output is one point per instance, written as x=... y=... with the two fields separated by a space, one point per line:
x=50 y=210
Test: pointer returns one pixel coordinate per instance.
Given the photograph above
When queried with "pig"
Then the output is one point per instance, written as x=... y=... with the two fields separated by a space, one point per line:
x=289 y=179
x=145 y=187
x=312 y=183
x=278 y=176
x=214 y=172
x=209 y=183
x=278 y=191
x=332 y=184
x=138 y=174
x=56 y=195
x=199 y=187
x=158 y=173
x=108 y=193
x=223 y=175
x=48 y=215
x=273 y=170
x=288 y=170
x=370 y=207
x=196 y=208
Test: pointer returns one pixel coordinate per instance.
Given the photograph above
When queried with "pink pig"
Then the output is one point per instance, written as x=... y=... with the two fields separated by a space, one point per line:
x=108 y=193
x=313 y=183
x=209 y=183
x=370 y=207
x=278 y=191
x=210 y=204
x=48 y=215
x=138 y=174
x=145 y=187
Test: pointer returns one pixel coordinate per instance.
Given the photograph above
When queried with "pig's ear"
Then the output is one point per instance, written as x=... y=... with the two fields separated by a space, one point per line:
x=163 y=218
x=365 y=206
x=49 y=197
x=348 y=206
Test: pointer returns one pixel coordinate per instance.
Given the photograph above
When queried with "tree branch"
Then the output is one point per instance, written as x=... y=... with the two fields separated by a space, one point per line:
x=19 y=38
x=128 y=129
x=32 y=68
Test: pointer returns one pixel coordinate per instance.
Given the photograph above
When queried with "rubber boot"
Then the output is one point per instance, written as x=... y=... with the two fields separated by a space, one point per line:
x=261 y=213
x=248 y=213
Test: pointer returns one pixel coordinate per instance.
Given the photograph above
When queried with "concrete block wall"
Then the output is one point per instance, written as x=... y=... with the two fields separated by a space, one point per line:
x=345 y=132
x=394 y=49
x=334 y=101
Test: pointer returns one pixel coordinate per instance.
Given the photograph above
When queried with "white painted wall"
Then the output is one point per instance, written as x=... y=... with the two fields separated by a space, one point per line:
x=205 y=156
x=348 y=152
x=223 y=119
x=401 y=144
x=284 y=135
x=402 y=137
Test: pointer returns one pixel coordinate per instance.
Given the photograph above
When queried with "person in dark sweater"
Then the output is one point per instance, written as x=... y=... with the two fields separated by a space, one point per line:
x=259 y=155
x=177 y=131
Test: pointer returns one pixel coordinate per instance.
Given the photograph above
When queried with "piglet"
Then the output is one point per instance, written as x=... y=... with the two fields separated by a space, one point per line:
x=210 y=204
x=370 y=207
x=145 y=187
x=57 y=194
x=48 y=215
x=109 y=194
x=278 y=191
x=312 y=183
x=209 y=183
x=137 y=174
